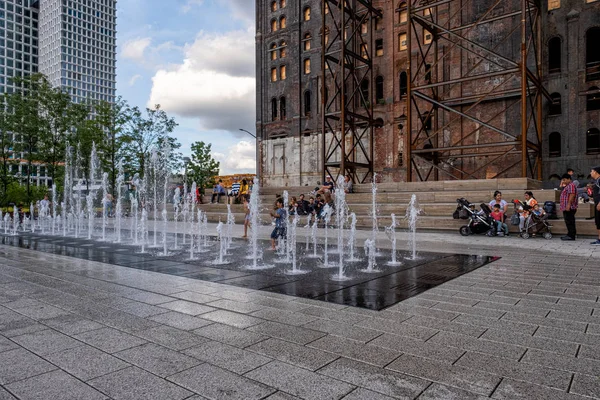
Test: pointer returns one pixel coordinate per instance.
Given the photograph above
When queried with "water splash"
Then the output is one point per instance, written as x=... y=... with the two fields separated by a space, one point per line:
x=119 y=202
x=340 y=213
x=412 y=215
x=391 y=232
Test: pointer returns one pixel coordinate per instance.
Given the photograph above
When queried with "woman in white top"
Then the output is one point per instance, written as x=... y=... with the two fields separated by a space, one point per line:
x=498 y=200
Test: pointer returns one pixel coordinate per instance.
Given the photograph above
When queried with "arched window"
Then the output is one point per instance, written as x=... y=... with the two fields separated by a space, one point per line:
x=306 y=41
x=326 y=33
x=273 y=51
x=273 y=74
x=282 y=109
x=592 y=54
x=426 y=118
x=555 y=104
x=593 y=99
x=379 y=89
x=307 y=14
x=307 y=103
x=403 y=83
x=554 y=145
x=402 y=41
x=402 y=12
x=273 y=109
x=379 y=21
x=553 y=4
x=379 y=47
x=282 y=72
x=307 y=66
x=282 y=49
x=273 y=25
x=274 y=6
x=282 y=3
x=428 y=73
x=554 y=55
x=364 y=92
x=592 y=141
x=282 y=22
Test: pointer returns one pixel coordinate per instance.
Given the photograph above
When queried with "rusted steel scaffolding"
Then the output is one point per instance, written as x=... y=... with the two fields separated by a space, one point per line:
x=346 y=100
x=474 y=95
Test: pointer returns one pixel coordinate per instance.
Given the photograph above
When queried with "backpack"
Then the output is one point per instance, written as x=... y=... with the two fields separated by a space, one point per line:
x=455 y=214
x=463 y=214
x=515 y=219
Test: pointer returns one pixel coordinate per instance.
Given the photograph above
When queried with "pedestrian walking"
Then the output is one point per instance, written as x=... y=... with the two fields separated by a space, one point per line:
x=568 y=206
x=595 y=173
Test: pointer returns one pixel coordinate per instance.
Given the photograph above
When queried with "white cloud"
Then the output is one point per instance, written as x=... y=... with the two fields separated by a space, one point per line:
x=190 y=3
x=215 y=82
x=241 y=158
x=232 y=53
x=134 y=49
x=134 y=79
x=243 y=9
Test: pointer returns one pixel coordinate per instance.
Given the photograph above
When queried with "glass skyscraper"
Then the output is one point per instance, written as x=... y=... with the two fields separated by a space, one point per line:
x=18 y=40
x=75 y=39
x=72 y=42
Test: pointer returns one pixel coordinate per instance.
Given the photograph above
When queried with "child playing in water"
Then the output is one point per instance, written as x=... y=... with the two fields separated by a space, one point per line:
x=247 y=216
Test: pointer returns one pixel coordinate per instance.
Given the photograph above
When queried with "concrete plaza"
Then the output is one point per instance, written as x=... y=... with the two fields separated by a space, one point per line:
x=525 y=326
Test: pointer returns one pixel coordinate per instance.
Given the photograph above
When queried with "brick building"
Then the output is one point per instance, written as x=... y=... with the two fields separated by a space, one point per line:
x=289 y=124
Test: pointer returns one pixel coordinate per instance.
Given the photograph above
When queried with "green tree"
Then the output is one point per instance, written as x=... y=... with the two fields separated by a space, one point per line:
x=6 y=146
x=114 y=119
x=61 y=118
x=202 y=167
x=86 y=135
x=146 y=132
x=26 y=123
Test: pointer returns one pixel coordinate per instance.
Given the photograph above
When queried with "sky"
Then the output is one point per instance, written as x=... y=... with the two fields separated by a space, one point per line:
x=196 y=59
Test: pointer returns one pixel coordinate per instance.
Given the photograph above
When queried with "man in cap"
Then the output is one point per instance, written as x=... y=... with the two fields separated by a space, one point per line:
x=595 y=173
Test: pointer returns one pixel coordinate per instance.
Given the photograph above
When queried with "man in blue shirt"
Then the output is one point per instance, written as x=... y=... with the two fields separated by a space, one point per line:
x=218 y=191
x=280 y=216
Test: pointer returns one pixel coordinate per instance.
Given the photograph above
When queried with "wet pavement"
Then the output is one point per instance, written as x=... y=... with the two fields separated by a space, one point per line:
x=524 y=326
x=383 y=286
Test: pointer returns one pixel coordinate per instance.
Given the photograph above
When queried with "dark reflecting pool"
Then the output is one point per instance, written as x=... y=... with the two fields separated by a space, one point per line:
x=373 y=290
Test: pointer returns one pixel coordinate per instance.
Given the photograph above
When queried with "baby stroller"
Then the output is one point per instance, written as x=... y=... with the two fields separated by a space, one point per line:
x=479 y=221
x=534 y=224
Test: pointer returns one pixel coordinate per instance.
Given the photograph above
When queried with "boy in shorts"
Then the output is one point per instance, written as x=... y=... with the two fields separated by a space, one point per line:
x=280 y=216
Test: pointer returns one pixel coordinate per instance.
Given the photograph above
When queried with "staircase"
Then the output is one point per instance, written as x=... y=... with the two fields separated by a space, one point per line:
x=436 y=199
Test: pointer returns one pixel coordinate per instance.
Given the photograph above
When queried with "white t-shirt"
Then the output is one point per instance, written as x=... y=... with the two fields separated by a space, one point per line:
x=503 y=204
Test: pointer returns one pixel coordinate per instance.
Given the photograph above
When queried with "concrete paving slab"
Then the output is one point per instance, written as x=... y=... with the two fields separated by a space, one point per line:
x=348 y=348
x=291 y=353
x=86 y=362
x=216 y=383
x=227 y=357
x=180 y=321
x=231 y=318
x=230 y=335
x=56 y=385
x=110 y=340
x=289 y=333
x=173 y=338
x=19 y=364
x=46 y=342
x=300 y=382
x=157 y=359
x=386 y=382
x=136 y=384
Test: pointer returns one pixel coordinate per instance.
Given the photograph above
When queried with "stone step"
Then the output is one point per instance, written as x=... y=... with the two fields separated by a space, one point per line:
x=426 y=222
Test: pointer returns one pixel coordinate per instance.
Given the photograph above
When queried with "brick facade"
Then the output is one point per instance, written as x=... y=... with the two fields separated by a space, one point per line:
x=290 y=141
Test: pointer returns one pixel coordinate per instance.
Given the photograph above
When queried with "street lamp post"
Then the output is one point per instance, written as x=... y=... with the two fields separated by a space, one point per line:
x=186 y=161
x=258 y=175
